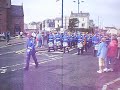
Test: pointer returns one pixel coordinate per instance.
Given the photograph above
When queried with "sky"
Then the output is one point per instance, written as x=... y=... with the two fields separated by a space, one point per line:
x=104 y=12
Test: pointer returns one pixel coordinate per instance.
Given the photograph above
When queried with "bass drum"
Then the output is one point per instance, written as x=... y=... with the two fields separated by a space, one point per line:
x=50 y=44
x=65 y=44
x=79 y=45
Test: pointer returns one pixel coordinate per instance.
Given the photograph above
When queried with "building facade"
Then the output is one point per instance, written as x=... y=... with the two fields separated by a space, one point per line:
x=48 y=25
x=58 y=22
x=83 y=19
x=11 y=17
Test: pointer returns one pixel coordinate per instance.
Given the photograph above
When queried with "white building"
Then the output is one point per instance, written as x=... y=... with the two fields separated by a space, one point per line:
x=58 y=22
x=83 y=19
x=48 y=25
x=112 y=30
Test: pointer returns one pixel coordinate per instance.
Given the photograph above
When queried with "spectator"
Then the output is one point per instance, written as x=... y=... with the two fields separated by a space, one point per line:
x=111 y=54
x=102 y=54
x=38 y=40
x=118 y=47
x=8 y=37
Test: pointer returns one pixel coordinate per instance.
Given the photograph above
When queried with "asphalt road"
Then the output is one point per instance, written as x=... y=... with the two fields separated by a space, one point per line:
x=57 y=71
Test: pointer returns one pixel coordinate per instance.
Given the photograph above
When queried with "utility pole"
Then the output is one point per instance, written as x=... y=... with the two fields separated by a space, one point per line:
x=62 y=14
x=78 y=6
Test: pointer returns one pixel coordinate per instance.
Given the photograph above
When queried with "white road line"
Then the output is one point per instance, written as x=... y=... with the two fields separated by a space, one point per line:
x=72 y=49
x=75 y=53
x=18 y=52
x=109 y=83
x=7 y=53
x=11 y=45
x=57 y=52
x=3 y=70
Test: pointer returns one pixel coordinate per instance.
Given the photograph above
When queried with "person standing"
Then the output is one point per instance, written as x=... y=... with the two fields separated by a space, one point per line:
x=118 y=57
x=31 y=51
x=95 y=41
x=102 y=54
x=111 y=54
x=8 y=37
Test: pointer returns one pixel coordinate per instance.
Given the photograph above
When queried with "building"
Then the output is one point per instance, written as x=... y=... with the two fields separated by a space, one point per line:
x=58 y=22
x=83 y=19
x=48 y=25
x=11 y=17
x=112 y=30
x=91 y=23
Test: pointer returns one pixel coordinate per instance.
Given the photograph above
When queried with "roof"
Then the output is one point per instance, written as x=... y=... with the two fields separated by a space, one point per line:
x=81 y=14
x=16 y=11
x=58 y=18
x=110 y=27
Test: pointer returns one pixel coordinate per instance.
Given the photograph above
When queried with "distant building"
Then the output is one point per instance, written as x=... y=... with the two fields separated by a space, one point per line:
x=91 y=23
x=58 y=22
x=11 y=17
x=83 y=19
x=48 y=25
x=112 y=30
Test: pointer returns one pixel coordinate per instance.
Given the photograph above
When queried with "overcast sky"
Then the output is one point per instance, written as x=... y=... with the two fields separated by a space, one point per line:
x=108 y=11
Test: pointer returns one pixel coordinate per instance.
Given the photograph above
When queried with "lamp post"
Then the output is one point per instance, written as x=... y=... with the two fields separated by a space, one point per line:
x=62 y=14
x=78 y=4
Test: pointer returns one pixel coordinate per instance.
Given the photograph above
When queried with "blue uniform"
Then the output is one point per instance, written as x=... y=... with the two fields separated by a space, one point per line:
x=79 y=38
x=31 y=52
x=95 y=40
x=51 y=38
x=65 y=38
x=58 y=37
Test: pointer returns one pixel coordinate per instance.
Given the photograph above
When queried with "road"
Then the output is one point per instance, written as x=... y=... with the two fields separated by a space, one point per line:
x=57 y=71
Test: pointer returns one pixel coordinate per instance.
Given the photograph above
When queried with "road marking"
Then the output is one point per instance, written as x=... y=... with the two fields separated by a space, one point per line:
x=11 y=45
x=75 y=53
x=109 y=83
x=7 y=53
x=53 y=56
x=3 y=70
x=57 y=52
x=72 y=49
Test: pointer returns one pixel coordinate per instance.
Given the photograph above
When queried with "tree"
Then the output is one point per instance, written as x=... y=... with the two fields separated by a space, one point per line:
x=72 y=24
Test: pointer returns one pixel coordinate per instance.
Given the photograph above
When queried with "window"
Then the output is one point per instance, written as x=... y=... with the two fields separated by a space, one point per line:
x=83 y=24
x=58 y=26
x=83 y=19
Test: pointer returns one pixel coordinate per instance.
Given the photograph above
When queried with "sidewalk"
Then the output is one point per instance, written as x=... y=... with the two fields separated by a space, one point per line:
x=13 y=40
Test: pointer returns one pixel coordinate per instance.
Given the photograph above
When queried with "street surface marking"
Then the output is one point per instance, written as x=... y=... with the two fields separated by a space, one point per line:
x=57 y=52
x=109 y=83
x=53 y=56
x=11 y=45
x=3 y=70
x=72 y=49
x=75 y=53
x=7 y=53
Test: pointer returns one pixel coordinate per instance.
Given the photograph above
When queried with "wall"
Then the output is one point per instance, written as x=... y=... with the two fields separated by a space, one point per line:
x=3 y=20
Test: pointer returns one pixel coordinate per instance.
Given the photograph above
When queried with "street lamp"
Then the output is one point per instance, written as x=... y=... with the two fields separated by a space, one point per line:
x=62 y=14
x=78 y=4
